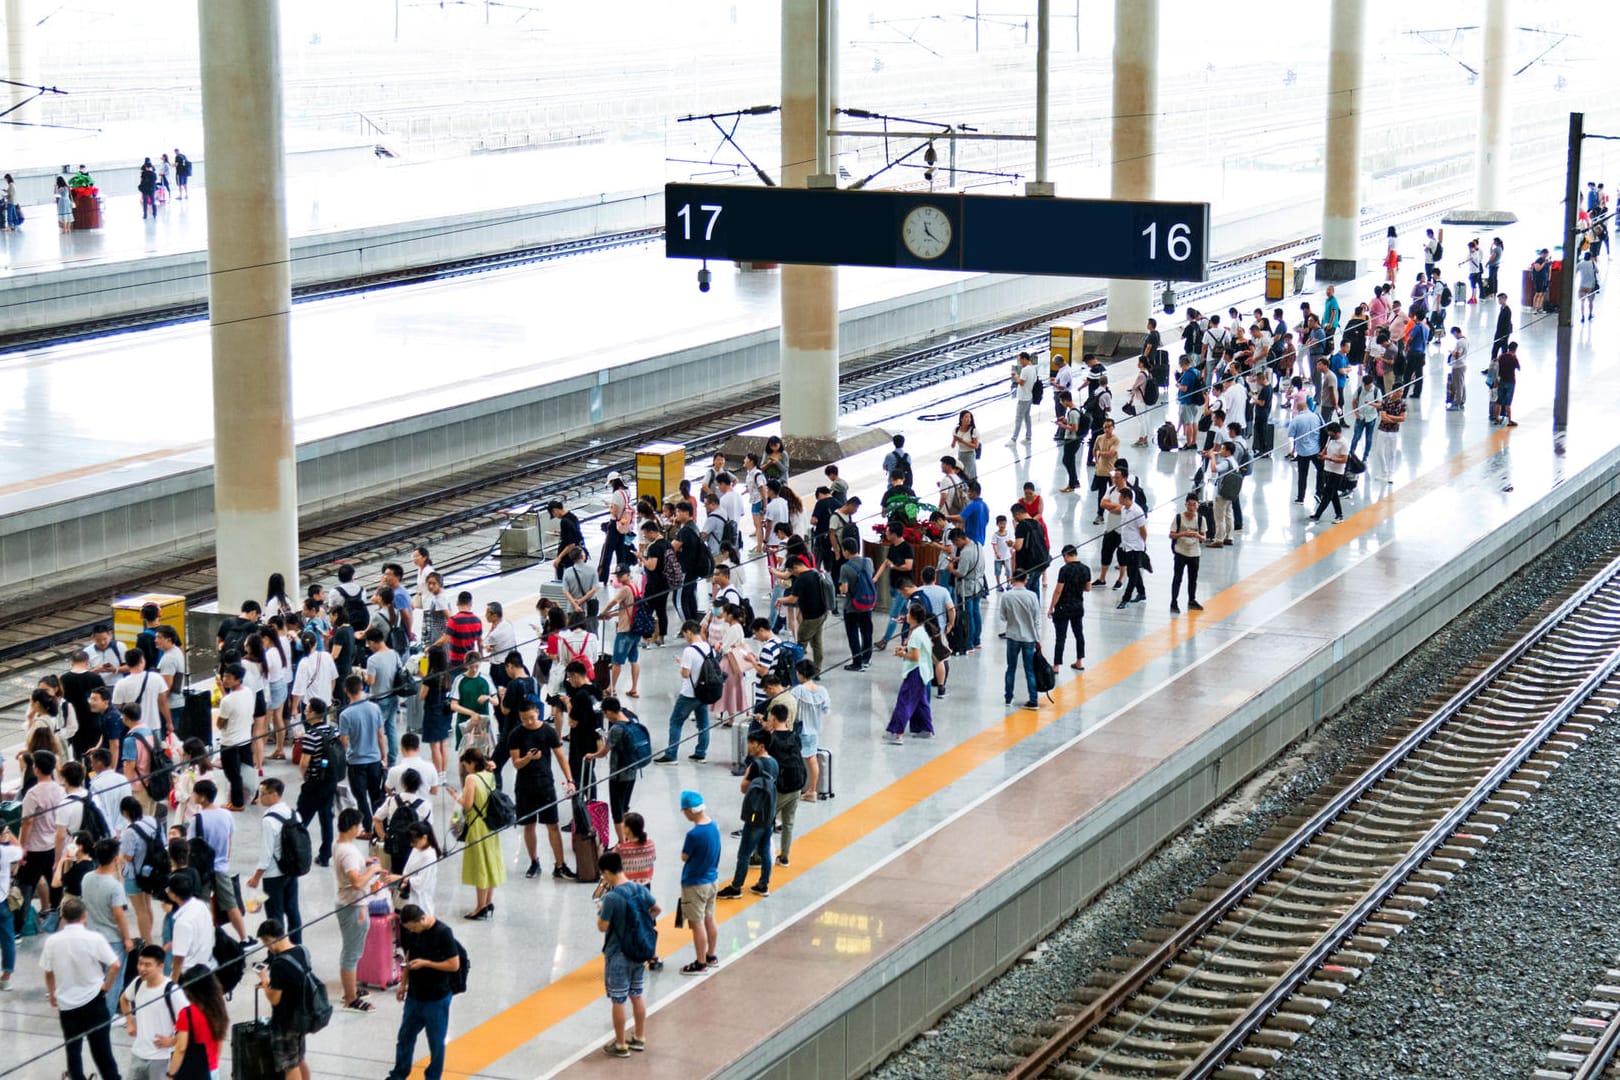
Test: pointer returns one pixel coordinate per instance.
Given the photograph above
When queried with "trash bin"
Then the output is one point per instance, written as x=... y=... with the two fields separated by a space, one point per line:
x=86 y=208
x=1278 y=272
x=1299 y=280
x=660 y=467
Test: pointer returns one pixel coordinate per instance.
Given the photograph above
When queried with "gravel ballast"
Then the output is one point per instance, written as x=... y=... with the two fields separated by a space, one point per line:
x=966 y=1041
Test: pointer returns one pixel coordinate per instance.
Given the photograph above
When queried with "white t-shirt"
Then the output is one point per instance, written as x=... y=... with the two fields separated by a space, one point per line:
x=734 y=507
x=501 y=639
x=1001 y=547
x=79 y=958
x=153 y=1018
x=1024 y=377
x=146 y=689
x=1130 y=535
x=10 y=855
x=692 y=660
x=172 y=662
x=417 y=764
x=1335 y=448
x=316 y=677
x=113 y=654
x=1063 y=378
x=275 y=666
x=70 y=812
x=422 y=870
x=776 y=512
x=236 y=709
x=193 y=938
x=1459 y=352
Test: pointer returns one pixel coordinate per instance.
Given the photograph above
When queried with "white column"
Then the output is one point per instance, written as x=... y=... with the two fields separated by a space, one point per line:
x=1495 y=116
x=1341 y=202
x=809 y=293
x=1135 y=145
x=249 y=298
x=18 y=67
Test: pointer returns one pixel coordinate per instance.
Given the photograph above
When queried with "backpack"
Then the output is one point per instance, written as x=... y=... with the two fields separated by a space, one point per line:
x=296 y=854
x=759 y=801
x=829 y=591
x=710 y=682
x=787 y=658
x=635 y=745
x=94 y=821
x=1037 y=393
x=1439 y=250
x=160 y=780
x=731 y=535
x=1150 y=393
x=1445 y=296
x=399 y=640
x=792 y=774
x=458 y=977
x=234 y=632
x=154 y=867
x=354 y=610
x=333 y=756
x=314 y=1009
x=639 y=941
x=228 y=963
x=1245 y=461
x=643 y=623
x=1045 y=676
x=1167 y=436
x=863 y=593
x=500 y=812
x=202 y=855
x=396 y=844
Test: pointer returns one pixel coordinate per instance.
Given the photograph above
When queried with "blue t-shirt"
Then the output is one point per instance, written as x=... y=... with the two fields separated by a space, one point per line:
x=1188 y=381
x=702 y=851
x=1418 y=340
x=359 y=723
x=616 y=911
x=976 y=520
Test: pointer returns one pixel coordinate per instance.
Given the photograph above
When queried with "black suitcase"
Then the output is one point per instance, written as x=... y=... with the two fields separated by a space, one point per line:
x=251 y=1058
x=1161 y=367
x=196 y=719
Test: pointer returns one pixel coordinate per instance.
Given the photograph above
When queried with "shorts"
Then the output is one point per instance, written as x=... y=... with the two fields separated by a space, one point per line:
x=697 y=901
x=623 y=978
x=626 y=648
x=536 y=803
x=809 y=743
x=435 y=726
x=225 y=897
x=1586 y=291
x=1504 y=393
x=1110 y=547
x=757 y=508
x=1189 y=413
x=286 y=1050
x=278 y=695
x=619 y=798
x=353 y=922
x=1475 y=279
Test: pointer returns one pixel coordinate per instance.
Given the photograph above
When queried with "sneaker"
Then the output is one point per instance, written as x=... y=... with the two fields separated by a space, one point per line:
x=730 y=892
x=1007 y=701
x=939 y=691
x=5 y=982
x=852 y=666
x=664 y=761
x=1118 y=585
x=894 y=740
x=534 y=869
x=736 y=832
x=1122 y=605
x=1032 y=704
x=614 y=1050
x=697 y=757
x=1097 y=520
x=561 y=870
x=636 y=1044
x=1175 y=608
x=782 y=860
x=1193 y=605
x=760 y=890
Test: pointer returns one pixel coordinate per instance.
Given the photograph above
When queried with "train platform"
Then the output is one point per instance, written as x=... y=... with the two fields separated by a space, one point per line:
x=940 y=861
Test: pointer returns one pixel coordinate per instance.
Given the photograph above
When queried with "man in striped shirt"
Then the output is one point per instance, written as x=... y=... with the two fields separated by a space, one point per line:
x=464 y=630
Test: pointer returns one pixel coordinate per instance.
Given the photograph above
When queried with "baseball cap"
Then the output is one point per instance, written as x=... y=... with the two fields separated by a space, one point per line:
x=612 y=476
x=691 y=800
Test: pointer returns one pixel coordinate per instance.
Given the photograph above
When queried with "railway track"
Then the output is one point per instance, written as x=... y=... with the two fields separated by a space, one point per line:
x=1588 y=1047
x=36 y=638
x=1234 y=976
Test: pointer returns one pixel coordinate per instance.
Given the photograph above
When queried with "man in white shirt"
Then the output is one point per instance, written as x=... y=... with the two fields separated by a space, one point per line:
x=150 y=1006
x=687 y=704
x=1132 y=546
x=106 y=655
x=191 y=943
x=107 y=788
x=234 y=722
x=1457 y=370
x=500 y=637
x=1063 y=379
x=411 y=760
x=1023 y=384
x=280 y=887
x=146 y=689
x=733 y=503
x=81 y=969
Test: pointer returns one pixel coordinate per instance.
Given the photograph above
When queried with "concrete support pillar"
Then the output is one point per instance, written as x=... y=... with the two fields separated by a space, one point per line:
x=809 y=293
x=1135 y=148
x=1341 y=203
x=19 y=67
x=249 y=298
x=1495 y=113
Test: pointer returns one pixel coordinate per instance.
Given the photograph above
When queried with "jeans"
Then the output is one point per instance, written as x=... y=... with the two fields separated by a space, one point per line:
x=419 y=1015
x=897 y=611
x=232 y=759
x=970 y=610
x=281 y=902
x=89 y=1023
x=1184 y=564
x=1033 y=582
x=8 y=942
x=389 y=707
x=315 y=800
x=858 y=629
x=1067 y=620
x=1021 y=417
x=684 y=707
x=1015 y=650
x=1362 y=427
x=755 y=838
x=365 y=784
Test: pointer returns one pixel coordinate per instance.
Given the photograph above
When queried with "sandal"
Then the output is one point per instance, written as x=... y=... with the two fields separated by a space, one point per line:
x=631 y=693
x=696 y=967
x=360 y=1004
x=1077 y=666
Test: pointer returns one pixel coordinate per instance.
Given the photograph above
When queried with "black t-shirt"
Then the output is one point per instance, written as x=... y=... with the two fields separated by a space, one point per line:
x=568 y=531
x=806 y=589
x=1032 y=554
x=76 y=687
x=517 y=691
x=691 y=555
x=821 y=515
x=1073 y=577
x=73 y=876
x=537 y=773
x=436 y=943
x=899 y=553
x=585 y=705
x=661 y=550
x=287 y=975
x=1507 y=368
x=343 y=639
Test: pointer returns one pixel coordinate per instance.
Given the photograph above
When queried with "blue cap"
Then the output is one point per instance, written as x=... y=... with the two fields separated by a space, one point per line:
x=691 y=800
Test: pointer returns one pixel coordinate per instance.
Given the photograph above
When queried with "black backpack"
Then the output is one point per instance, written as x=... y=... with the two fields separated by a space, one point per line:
x=332 y=759
x=296 y=854
x=731 y=537
x=153 y=872
x=759 y=801
x=354 y=610
x=458 y=977
x=1150 y=393
x=1167 y=436
x=792 y=773
x=1439 y=250
x=500 y=812
x=1037 y=393
x=1045 y=676
x=396 y=843
x=201 y=856
x=314 y=1008
x=228 y=962
x=93 y=821
x=710 y=683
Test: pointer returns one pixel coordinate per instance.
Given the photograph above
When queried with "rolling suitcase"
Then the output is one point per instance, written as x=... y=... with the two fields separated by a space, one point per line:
x=197 y=717
x=824 y=783
x=379 y=962
x=251 y=1058
x=586 y=846
x=739 y=744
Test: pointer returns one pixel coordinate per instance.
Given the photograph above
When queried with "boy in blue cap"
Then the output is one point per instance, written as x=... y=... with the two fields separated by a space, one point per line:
x=700 y=875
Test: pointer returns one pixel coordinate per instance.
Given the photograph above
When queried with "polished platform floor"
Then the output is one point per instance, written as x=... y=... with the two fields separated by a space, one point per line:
x=913 y=825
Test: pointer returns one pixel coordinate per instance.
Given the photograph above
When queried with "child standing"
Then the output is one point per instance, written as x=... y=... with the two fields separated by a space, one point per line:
x=1001 y=550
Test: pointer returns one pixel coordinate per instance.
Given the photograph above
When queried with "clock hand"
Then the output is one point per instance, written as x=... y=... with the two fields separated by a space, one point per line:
x=929 y=232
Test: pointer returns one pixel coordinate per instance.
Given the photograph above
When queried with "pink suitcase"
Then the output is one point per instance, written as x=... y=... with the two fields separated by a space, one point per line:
x=379 y=963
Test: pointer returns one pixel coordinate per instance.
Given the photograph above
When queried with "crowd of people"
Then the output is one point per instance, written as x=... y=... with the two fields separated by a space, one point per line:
x=369 y=727
x=152 y=183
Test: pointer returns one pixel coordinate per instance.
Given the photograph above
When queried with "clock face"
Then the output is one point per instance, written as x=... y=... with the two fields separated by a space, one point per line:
x=926 y=232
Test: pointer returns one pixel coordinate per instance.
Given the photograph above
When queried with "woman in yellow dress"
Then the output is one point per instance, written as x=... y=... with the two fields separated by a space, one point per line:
x=482 y=864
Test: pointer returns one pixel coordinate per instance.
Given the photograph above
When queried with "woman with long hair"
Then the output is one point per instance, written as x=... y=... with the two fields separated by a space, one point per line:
x=278 y=674
x=256 y=677
x=911 y=706
x=965 y=444
x=419 y=877
x=435 y=695
x=482 y=866
x=200 y=1028
x=276 y=601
